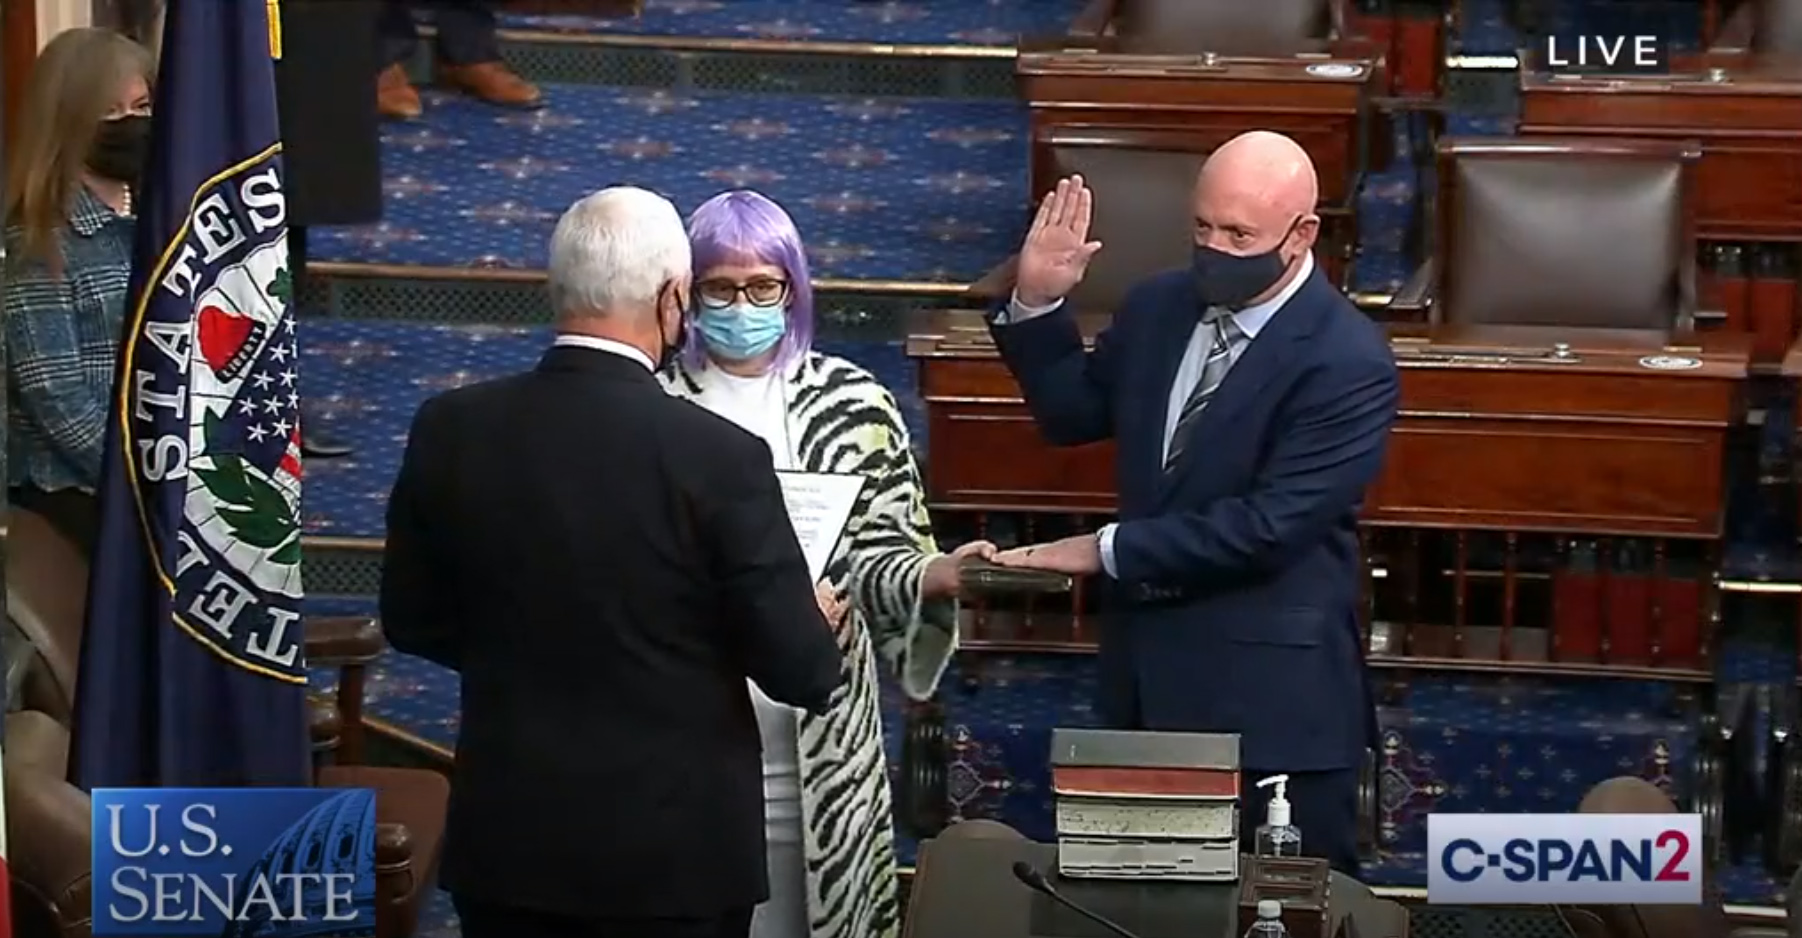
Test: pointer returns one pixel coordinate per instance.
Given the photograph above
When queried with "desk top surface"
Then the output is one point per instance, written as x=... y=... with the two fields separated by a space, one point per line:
x=1321 y=68
x=963 y=334
x=966 y=889
x=1690 y=75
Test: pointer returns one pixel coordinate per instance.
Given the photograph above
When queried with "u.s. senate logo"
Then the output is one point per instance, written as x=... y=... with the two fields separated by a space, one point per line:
x=213 y=419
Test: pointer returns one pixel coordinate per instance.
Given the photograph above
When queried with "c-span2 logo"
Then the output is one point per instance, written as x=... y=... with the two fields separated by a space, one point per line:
x=1595 y=859
x=234 y=862
x=1639 y=53
x=214 y=421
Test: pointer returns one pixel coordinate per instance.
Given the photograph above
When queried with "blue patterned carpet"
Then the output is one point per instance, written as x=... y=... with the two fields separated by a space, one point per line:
x=920 y=22
x=886 y=189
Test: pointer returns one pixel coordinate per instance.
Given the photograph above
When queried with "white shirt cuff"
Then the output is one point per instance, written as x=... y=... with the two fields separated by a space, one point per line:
x=1105 y=542
x=1017 y=311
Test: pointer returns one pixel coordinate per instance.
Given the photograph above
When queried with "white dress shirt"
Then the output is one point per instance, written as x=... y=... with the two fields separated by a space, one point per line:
x=567 y=340
x=1250 y=321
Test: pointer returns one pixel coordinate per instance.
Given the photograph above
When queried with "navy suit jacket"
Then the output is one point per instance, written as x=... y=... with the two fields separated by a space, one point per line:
x=1239 y=570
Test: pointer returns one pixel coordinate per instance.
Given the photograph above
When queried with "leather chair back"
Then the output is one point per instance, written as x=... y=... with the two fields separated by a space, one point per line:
x=1225 y=27
x=1627 y=795
x=1778 y=27
x=1561 y=232
x=47 y=598
x=1142 y=215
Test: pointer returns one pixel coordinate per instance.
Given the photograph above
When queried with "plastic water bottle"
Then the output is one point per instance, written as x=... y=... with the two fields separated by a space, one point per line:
x=1270 y=921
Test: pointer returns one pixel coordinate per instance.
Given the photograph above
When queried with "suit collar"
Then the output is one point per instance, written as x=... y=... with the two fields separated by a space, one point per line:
x=610 y=346
x=588 y=359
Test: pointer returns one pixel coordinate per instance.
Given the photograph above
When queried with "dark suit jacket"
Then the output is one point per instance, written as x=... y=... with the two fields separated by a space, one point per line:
x=606 y=565
x=1239 y=571
x=325 y=91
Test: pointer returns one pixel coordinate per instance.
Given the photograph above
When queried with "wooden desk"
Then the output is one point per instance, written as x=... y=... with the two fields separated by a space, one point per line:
x=1498 y=431
x=965 y=888
x=1544 y=487
x=1192 y=104
x=1749 y=123
x=1492 y=434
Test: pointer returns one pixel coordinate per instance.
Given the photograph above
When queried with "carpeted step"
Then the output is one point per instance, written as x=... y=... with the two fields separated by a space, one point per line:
x=917 y=22
x=882 y=189
x=365 y=380
x=888 y=190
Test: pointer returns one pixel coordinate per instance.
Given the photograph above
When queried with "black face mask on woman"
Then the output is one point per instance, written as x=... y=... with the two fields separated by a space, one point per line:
x=1231 y=280
x=120 y=146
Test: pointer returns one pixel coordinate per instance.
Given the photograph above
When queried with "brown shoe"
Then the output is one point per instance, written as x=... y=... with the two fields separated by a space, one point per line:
x=395 y=96
x=492 y=82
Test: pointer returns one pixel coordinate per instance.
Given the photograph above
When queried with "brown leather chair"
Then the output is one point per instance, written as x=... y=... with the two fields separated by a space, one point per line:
x=47 y=819
x=1553 y=231
x=1763 y=27
x=1630 y=795
x=1141 y=217
x=1224 y=27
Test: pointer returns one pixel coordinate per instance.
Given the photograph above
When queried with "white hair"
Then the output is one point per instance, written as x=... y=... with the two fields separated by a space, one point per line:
x=614 y=250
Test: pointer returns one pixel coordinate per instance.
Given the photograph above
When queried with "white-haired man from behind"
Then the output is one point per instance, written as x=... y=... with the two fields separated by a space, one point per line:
x=606 y=565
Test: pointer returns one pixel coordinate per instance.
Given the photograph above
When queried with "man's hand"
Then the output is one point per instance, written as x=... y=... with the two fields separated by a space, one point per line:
x=1077 y=556
x=941 y=580
x=833 y=606
x=1057 y=248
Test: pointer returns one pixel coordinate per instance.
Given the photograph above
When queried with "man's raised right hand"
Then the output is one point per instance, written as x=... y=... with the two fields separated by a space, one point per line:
x=1057 y=249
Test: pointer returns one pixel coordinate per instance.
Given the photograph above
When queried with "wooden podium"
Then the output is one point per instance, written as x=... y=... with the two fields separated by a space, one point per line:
x=1084 y=99
x=1510 y=432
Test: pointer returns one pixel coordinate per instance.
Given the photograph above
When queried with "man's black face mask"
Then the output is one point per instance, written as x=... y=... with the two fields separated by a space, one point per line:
x=1231 y=280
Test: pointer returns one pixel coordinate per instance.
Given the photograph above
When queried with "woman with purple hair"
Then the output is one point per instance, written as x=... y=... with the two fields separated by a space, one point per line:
x=750 y=359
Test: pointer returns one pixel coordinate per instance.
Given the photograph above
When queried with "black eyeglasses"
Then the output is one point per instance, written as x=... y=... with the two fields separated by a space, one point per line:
x=719 y=294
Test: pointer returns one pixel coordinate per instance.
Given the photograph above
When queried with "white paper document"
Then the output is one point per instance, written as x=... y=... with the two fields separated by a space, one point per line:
x=819 y=506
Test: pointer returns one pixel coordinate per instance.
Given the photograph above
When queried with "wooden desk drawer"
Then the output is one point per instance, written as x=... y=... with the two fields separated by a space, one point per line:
x=991 y=456
x=1551 y=475
x=1654 y=396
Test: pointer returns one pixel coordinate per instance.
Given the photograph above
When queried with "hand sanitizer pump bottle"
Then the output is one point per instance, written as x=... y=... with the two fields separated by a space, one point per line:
x=1276 y=837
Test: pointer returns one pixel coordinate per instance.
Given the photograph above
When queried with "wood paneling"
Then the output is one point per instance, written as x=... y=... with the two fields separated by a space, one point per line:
x=18 y=49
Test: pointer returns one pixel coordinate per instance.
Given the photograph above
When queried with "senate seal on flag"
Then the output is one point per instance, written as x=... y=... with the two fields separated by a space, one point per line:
x=212 y=417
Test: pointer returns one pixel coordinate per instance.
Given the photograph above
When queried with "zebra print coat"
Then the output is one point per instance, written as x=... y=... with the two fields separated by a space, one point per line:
x=842 y=420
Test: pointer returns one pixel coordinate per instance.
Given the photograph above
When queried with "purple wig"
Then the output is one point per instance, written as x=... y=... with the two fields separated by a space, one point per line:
x=746 y=228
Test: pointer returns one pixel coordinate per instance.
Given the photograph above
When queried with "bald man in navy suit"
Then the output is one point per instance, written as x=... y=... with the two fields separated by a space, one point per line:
x=1250 y=403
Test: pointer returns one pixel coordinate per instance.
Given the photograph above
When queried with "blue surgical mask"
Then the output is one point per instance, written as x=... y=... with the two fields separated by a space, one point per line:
x=742 y=331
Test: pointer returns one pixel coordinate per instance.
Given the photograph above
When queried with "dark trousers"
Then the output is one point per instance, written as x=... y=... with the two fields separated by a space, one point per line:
x=481 y=919
x=465 y=31
x=73 y=513
x=1323 y=805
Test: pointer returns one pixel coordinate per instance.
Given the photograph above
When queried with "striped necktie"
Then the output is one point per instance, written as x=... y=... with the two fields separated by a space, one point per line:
x=1213 y=372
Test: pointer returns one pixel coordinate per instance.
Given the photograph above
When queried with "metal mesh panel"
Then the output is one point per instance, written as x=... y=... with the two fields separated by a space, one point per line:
x=1427 y=921
x=860 y=75
x=573 y=60
x=340 y=571
x=582 y=63
x=1483 y=92
x=460 y=301
x=843 y=316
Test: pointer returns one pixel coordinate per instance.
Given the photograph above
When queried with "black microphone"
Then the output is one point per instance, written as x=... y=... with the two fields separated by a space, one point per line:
x=1034 y=880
